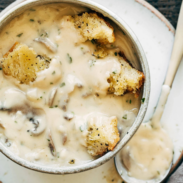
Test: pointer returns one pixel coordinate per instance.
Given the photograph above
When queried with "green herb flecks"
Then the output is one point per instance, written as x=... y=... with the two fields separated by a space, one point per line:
x=129 y=101
x=115 y=53
x=92 y=63
x=62 y=84
x=142 y=100
x=19 y=35
x=114 y=72
x=31 y=20
x=53 y=72
x=125 y=116
x=69 y=58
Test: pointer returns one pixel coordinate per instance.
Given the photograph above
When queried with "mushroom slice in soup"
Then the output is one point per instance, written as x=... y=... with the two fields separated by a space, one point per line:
x=63 y=102
x=51 y=144
x=47 y=42
x=38 y=119
x=52 y=97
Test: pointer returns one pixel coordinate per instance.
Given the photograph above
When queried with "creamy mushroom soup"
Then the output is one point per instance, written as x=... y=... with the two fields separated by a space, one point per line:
x=46 y=120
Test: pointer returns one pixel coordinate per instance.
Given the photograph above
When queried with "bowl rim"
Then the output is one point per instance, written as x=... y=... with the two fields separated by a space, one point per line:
x=143 y=108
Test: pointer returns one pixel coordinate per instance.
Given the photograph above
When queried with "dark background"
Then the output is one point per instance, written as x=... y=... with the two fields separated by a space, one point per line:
x=169 y=8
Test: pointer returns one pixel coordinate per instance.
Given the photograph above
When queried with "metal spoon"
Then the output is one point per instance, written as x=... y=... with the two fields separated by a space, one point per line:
x=176 y=57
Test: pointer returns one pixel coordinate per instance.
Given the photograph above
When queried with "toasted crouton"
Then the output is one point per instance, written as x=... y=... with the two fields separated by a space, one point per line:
x=92 y=26
x=128 y=80
x=22 y=63
x=100 y=51
x=102 y=136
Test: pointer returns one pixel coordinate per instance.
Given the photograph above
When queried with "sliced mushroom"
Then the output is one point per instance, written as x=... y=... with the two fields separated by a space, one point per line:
x=7 y=142
x=69 y=115
x=64 y=138
x=63 y=102
x=38 y=120
x=48 y=43
x=52 y=97
x=51 y=145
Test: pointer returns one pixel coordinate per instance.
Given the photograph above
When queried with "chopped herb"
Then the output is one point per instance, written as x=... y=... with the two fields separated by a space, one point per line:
x=48 y=140
x=51 y=83
x=62 y=84
x=81 y=48
x=81 y=128
x=7 y=32
x=158 y=172
x=130 y=101
x=53 y=72
x=60 y=63
x=32 y=9
x=59 y=32
x=115 y=53
x=0 y=69
x=92 y=62
x=56 y=106
x=72 y=161
x=69 y=58
x=19 y=35
x=114 y=72
x=125 y=116
x=41 y=97
x=142 y=100
x=31 y=20
x=15 y=121
x=93 y=41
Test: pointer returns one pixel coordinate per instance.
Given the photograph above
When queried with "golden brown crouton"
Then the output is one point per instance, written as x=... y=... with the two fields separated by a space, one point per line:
x=102 y=136
x=100 y=51
x=22 y=63
x=92 y=26
x=128 y=80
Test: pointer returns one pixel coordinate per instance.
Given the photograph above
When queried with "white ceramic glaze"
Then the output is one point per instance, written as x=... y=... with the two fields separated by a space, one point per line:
x=157 y=41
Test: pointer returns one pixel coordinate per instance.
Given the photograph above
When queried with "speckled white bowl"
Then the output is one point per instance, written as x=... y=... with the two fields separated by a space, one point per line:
x=146 y=88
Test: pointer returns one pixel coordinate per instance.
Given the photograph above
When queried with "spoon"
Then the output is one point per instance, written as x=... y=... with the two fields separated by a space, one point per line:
x=176 y=57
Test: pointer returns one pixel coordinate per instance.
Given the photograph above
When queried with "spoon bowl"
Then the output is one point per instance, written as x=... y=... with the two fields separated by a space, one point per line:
x=124 y=173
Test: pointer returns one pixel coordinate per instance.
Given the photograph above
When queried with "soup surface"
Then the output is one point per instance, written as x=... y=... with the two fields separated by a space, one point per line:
x=46 y=120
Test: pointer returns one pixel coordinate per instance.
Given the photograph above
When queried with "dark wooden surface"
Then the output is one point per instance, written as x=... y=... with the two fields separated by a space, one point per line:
x=169 y=8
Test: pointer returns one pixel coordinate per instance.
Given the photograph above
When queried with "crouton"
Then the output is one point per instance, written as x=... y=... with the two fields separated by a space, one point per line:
x=22 y=63
x=128 y=80
x=102 y=135
x=92 y=26
x=100 y=51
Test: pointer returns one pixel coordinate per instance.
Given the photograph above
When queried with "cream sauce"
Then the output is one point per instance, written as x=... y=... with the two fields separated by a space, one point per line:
x=48 y=122
x=149 y=153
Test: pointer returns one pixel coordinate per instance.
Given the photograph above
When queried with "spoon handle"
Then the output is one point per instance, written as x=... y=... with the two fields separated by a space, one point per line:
x=176 y=57
x=177 y=51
